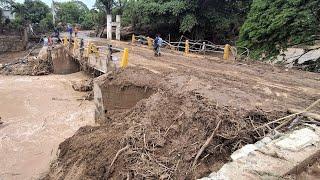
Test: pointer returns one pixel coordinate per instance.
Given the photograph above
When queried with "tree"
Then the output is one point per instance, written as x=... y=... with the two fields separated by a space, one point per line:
x=272 y=25
x=31 y=11
x=214 y=19
x=71 y=12
x=91 y=19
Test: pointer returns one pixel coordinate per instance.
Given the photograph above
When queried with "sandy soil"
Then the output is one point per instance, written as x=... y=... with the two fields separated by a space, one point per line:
x=38 y=113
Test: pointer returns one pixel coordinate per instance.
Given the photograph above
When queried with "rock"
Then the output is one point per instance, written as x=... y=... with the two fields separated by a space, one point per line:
x=312 y=55
x=290 y=55
x=83 y=86
x=298 y=140
x=243 y=152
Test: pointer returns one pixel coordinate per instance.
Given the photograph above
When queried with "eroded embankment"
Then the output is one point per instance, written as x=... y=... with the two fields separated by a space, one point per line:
x=156 y=128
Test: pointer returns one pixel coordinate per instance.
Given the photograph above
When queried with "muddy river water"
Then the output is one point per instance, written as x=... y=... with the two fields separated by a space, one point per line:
x=38 y=113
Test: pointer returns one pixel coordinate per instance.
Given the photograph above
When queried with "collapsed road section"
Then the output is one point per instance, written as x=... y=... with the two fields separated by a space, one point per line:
x=174 y=116
x=157 y=115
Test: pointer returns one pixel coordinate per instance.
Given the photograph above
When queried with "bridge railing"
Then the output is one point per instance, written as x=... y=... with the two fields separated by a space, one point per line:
x=99 y=51
x=194 y=46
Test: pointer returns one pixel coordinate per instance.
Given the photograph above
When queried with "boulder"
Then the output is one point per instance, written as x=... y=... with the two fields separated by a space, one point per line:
x=312 y=55
x=290 y=55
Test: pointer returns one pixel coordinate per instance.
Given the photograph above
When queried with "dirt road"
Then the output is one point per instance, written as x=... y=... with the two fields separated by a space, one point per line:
x=38 y=113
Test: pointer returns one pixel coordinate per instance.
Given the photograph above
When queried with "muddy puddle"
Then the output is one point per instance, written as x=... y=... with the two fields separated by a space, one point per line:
x=38 y=113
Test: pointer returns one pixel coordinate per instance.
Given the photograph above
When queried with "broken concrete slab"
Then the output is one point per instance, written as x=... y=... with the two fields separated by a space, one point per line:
x=312 y=55
x=290 y=55
x=273 y=159
x=298 y=140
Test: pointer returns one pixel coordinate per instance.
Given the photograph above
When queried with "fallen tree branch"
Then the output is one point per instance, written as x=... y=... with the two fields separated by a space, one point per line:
x=115 y=158
x=289 y=116
x=206 y=144
x=306 y=114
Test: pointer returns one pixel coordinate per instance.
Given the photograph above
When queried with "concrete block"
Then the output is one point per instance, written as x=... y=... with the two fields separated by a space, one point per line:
x=312 y=55
x=298 y=140
x=243 y=152
x=273 y=159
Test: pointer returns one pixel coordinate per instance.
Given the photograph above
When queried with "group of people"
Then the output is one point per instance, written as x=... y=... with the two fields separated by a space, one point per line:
x=157 y=43
x=56 y=35
x=70 y=30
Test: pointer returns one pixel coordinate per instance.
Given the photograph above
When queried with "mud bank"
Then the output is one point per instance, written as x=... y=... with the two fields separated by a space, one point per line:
x=38 y=113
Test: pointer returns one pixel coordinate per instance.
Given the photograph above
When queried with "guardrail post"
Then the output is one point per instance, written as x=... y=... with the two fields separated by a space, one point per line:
x=149 y=42
x=133 y=39
x=124 y=61
x=75 y=45
x=65 y=41
x=226 y=53
x=187 y=48
x=204 y=47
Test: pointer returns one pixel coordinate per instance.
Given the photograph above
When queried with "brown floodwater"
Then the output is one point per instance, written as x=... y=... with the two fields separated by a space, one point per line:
x=38 y=114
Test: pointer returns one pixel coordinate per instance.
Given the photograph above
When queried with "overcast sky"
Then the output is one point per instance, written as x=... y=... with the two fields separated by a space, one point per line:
x=89 y=3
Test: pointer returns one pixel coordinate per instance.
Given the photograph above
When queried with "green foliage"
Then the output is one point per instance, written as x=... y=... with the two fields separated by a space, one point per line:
x=198 y=18
x=71 y=12
x=46 y=23
x=32 y=11
x=275 y=24
x=91 y=19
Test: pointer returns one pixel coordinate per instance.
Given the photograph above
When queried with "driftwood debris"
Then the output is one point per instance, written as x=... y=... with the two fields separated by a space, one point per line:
x=306 y=114
x=206 y=144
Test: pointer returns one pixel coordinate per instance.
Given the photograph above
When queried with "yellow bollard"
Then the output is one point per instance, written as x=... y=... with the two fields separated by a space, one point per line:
x=133 y=39
x=149 y=42
x=124 y=61
x=226 y=53
x=187 y=48
x=75 y=45
x=95 y=50
x=87 y=50
x=65 y=41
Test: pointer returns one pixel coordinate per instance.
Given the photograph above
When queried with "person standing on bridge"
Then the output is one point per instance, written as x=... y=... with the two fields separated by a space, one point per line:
x=76 y=30
x=157 y=43
x=70 y=30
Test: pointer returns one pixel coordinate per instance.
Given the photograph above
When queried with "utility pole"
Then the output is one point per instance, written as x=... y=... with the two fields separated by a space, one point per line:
x=53 y=13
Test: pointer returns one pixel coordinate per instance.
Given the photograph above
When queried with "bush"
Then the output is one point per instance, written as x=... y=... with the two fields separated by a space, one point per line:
x=273 y=25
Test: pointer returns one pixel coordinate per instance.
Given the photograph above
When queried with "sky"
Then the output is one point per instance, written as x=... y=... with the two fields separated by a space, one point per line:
x=89 y=3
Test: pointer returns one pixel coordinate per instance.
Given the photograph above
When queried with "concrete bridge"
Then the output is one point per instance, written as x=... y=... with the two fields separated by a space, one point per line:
x=73 y=56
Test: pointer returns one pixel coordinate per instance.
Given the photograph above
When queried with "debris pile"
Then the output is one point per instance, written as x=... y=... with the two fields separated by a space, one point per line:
x=160 y=138
x=29 y=65
x=83 y=86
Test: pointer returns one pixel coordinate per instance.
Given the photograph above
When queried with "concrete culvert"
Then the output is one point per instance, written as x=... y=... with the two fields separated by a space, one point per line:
x=63 y=63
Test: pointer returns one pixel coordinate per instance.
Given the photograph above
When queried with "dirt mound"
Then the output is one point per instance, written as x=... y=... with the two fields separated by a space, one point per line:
x=159 y=137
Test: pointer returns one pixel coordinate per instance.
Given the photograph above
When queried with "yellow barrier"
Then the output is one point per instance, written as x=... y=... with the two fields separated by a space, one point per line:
x=124 y=61
x=226 y=53
x=133 y=39
x=149 y=42
x=187 y=48
x=65 y=41
x=75 y=45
